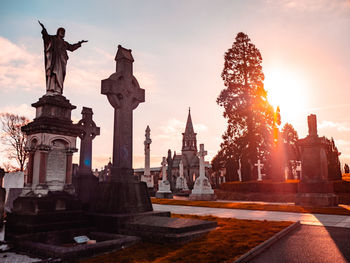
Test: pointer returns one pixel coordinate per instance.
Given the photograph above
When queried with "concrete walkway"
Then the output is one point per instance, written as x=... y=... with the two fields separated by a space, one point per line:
x=309 y=244
x=304 y=218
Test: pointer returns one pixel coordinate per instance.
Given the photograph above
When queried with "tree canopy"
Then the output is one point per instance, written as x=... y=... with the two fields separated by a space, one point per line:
x=249 y=115
x=15 y=140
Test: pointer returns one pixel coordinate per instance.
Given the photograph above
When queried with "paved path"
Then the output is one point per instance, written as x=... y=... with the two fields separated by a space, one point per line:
x=309 y=244
x=304 y=218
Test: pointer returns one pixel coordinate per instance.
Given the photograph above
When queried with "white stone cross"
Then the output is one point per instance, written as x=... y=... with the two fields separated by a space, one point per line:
x=259 y=165
x=164 y=175
x=201 y=155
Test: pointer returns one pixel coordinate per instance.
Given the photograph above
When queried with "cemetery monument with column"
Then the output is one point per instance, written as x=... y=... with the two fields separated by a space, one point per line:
x=202 y=189
x=314 y=188
x=147 y=177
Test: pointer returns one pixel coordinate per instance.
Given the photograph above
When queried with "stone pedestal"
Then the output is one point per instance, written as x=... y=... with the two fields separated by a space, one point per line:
x=314 y=188
x=51 y=143
x=47 y=201
x=202 y=189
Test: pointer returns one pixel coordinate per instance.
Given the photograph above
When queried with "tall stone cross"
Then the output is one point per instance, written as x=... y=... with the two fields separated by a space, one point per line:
x=124 y=94
x=147 y=143
x=164 y=175
x=201 y=155
x=89 y=131
x=259 y=165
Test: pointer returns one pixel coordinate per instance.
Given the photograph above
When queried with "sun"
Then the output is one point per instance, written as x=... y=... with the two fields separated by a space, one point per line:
x=288 y=90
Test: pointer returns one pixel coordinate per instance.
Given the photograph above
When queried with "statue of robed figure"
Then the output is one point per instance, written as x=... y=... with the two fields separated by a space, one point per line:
x=55 y=48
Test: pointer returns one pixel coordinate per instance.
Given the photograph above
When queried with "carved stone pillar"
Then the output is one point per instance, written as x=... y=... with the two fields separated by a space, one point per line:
x=30 y=167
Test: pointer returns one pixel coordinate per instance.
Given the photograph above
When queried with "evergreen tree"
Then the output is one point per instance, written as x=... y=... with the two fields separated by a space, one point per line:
x=249 y=115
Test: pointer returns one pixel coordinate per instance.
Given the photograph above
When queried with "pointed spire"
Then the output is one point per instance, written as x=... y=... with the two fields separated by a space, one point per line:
x=189 y=125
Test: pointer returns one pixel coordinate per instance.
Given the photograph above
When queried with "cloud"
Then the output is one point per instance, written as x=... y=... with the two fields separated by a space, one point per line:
x=19 y=69
x=316 y=5
x=22 y=110
x=339 y=126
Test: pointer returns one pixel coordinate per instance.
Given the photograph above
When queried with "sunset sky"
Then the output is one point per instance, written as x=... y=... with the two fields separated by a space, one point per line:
x=179 y=47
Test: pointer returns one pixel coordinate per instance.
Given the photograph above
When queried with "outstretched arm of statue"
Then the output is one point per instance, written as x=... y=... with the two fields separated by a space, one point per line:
x=73 y=47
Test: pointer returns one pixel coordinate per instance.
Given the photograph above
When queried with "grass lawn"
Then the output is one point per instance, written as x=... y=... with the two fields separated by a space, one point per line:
x=230 y=240
x=340 y=210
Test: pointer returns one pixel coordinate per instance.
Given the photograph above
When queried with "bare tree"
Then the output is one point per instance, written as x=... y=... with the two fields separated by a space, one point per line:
x=12 y=136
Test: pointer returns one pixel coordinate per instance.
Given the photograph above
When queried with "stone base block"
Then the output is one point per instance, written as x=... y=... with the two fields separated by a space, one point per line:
x=121 y=197
x=112 y=223
x=164 y=195
x=166 y=229
x=316 y=199
x=53 y=201
x=202 y=197
x=60 y=244
x=85 y=184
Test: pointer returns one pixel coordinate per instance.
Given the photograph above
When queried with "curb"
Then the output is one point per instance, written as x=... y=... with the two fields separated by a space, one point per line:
x=266 y=244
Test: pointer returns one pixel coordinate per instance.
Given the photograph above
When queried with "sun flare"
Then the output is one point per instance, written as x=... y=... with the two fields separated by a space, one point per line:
x=288 y=90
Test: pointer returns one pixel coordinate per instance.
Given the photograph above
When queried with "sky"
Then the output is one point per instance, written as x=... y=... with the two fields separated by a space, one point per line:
x=178 y=47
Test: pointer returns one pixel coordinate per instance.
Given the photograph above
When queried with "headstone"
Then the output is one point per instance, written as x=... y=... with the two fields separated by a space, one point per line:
x=13 y=184
x=147 y=177
x=259 y=166
x=314 y=189
x=181 y=183
x=202 y=189
x=164 y=185
x=124 y=193
x=85 y=181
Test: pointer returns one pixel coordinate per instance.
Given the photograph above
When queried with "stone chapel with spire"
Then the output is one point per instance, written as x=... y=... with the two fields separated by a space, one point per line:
x=188 y=157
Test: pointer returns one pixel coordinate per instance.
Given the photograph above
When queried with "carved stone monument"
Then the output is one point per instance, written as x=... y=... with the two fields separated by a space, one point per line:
x=314 y=188
x=51 y=142
x=85 y=181
x=164 y=185
x=124 y=193
x=202 y=189
x=181 y=183
x=147 y=177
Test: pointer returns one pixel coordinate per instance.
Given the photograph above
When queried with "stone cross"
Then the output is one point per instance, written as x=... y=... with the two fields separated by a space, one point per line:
x=124 y=94
x=147 y=144
x=181 y=169
x=201 y=155
x=89 y=131
x=164 y=175
x=259 y=166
